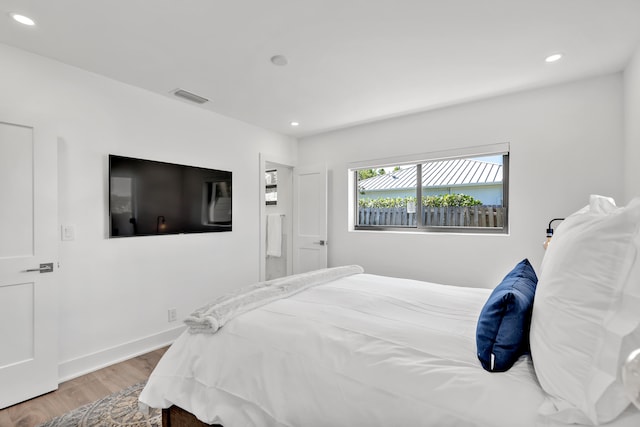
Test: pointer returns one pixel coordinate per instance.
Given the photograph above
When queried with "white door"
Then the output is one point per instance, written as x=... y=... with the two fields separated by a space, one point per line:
x=28 y=260
x=309 y=219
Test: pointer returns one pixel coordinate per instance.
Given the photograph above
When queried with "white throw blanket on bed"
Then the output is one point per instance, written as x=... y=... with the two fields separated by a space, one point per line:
x=211 y=317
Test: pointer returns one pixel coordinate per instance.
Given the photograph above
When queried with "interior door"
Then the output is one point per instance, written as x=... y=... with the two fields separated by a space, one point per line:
x=28 y=260
x=310 y=218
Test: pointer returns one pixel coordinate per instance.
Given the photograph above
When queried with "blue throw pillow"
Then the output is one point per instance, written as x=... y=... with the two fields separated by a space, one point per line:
x=502 y=334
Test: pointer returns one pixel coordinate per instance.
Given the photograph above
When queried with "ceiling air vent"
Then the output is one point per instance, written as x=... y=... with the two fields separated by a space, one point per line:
x=190 y=96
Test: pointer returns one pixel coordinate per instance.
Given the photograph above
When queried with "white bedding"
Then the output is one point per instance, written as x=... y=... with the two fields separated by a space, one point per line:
x=363 y=350
x=213 y=316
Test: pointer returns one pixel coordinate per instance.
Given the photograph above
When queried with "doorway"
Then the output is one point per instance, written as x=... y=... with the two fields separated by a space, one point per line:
x=277 y=219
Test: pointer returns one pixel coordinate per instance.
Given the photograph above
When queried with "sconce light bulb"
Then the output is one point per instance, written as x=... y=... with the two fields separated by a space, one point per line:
x=550 y=232
x=547 y=242
x=160 y=223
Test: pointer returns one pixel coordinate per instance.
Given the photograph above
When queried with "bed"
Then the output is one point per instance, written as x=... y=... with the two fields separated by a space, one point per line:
x=361 y=349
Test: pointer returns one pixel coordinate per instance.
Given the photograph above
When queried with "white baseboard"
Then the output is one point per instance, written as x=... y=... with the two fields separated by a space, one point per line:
x=101 y=359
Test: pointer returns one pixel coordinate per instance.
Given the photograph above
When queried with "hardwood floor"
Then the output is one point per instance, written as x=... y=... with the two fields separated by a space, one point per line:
x=80 y=391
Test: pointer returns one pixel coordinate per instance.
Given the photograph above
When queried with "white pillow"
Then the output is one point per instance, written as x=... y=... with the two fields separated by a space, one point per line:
x=586 y=312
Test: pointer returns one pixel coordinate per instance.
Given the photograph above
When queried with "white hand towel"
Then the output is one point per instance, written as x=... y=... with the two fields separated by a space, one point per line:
x=274 y=235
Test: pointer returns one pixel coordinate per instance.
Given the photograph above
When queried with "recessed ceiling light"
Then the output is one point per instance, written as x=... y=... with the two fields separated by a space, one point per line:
x=280 y=60
x=25 y=20
x=553 y=58
x=294 y=124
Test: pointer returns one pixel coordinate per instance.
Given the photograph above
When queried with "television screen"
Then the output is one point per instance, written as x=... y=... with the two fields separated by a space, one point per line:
x=148 y=197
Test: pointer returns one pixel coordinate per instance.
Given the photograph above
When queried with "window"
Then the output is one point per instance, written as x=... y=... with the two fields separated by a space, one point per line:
x=453 y=193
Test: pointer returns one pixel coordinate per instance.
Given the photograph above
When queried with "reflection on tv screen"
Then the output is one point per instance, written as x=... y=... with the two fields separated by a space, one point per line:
x=148 y=197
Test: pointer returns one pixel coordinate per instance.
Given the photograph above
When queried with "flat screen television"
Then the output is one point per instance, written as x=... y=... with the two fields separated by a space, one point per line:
x=147 y=197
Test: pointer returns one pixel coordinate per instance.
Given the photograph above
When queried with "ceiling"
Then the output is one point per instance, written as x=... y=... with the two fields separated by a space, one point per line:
x=349 y=61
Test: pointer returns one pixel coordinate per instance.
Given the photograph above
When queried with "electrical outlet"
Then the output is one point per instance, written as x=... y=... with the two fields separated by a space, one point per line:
x=172 y=314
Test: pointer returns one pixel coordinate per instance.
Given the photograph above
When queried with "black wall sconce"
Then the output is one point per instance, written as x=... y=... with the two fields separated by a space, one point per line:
x=550 y=232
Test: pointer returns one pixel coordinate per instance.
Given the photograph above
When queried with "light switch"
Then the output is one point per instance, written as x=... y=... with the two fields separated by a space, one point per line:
x=68 y=232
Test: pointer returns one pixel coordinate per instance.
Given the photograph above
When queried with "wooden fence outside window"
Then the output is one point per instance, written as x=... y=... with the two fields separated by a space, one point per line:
x=445 y=216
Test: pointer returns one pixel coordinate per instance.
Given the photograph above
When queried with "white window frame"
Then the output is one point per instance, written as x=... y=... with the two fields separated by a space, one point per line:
x=418 y=159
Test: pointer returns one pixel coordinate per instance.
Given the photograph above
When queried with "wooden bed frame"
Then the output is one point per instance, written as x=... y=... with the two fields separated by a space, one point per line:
x=175 y=416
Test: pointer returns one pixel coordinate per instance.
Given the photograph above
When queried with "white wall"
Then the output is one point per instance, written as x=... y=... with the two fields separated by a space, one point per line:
x=632 y=126
x=566 y=143
x=114 y=293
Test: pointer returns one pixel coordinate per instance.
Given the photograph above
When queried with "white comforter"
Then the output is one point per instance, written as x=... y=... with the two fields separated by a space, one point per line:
x=363 y=350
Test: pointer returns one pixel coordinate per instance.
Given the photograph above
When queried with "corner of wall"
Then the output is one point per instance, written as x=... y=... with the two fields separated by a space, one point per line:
x=107 y=357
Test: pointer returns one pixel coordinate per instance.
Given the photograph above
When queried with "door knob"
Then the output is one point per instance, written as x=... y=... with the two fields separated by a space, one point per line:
x=44 y=268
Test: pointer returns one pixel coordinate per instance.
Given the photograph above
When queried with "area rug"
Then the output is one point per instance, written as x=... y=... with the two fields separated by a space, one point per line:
x=119 y=409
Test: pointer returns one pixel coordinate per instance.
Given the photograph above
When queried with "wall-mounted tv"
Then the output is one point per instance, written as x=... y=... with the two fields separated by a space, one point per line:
x=148 y=198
